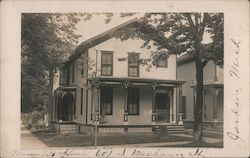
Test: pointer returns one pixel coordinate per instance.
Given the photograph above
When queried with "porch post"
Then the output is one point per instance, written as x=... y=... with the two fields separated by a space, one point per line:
x=125 y=117
x=96 y=111
x=180 y=105
x=153 y=103
x=215 y=107
x=98 y=106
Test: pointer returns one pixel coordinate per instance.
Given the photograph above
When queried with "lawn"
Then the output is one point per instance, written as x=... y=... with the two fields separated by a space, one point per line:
x=74 y=140
x=203 y=144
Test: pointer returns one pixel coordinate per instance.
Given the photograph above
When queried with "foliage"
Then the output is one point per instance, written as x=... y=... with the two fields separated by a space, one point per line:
x=47 y=39
x=177 y=33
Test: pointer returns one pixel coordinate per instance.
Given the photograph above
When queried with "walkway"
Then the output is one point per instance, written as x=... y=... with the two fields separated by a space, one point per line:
x=29 y=141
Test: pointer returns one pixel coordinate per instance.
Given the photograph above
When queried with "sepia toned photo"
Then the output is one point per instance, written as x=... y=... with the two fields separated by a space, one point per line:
x=122 y=79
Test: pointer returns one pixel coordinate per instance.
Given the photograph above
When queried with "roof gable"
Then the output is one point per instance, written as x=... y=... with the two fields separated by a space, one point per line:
x=99 y=39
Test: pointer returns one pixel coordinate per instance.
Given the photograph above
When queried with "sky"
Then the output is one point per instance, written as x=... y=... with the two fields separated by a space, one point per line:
x=97 y=25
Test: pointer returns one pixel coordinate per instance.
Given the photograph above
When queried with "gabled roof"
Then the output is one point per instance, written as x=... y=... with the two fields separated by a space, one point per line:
x=99 y=39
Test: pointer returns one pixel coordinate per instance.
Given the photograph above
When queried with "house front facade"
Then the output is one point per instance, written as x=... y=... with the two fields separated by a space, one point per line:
x=105 y=84
x=212 y=93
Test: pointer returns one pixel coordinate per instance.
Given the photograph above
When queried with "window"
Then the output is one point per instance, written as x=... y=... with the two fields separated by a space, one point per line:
x=133 y=101
x=184 y=107
x=106 y=100
x=82 y=72
x=133 y=64
x=162 y=62
x=81 y=101
x=64 y=76
x=107 y=63
x=72 y=73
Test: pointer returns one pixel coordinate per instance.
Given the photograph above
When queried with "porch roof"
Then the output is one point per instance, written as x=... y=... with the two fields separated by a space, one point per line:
x=66 y=87
x=210 y=84
x=138 y=81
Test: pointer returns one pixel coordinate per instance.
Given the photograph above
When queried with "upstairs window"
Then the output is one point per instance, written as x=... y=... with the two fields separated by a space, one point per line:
x=64 y=75
x=107 y=63
x=133 y=65
x=73 y=72
x=162 y=62
x=133 y=101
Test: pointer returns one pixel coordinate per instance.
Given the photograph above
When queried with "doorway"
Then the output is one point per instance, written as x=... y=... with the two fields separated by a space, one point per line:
x=162 y=103
x=68 y=102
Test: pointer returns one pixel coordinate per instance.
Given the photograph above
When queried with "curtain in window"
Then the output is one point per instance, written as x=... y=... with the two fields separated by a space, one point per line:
x=133 y=65
x=107 y=63
x=133 y=102
x=106 y=100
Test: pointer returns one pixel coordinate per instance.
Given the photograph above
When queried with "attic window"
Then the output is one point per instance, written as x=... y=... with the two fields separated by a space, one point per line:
x=162 y=62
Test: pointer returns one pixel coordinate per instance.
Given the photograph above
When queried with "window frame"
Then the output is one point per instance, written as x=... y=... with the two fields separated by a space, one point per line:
x=137 y=101
x=184 y=106
x=137 y=66
x=111 y=64
x=104 y=89
x=81 y=109
x=72 y=72
x=64 y=76
x=165 y=66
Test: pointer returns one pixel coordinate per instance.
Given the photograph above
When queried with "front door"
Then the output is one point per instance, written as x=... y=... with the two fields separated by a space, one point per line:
x=67 y=107
x=162 y=102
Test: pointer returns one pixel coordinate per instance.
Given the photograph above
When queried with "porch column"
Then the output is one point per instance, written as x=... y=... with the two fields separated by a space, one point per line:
x=215 y=107
x=180 y=106
x=98 y=111
x=125 y=117
x=153 y=103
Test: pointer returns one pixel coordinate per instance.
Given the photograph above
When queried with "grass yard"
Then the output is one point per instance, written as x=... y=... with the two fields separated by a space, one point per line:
x=77 y=140
x=204 y=144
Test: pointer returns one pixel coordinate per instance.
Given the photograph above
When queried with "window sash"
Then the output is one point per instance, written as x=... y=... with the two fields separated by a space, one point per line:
x=63 y=76
x=107 y=64
x=133 y=66
x=73 y=73
x=133 y=102
x=163 y=63
x=106 y=101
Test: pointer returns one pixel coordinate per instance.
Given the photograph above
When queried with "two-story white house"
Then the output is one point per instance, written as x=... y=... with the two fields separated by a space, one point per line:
x=104 y=83
x=212 y=92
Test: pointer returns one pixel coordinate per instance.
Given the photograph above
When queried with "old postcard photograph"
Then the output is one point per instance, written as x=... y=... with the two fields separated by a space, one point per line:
x=125 y=79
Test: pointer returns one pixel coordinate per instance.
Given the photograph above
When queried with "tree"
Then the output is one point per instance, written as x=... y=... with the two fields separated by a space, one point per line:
x=47 y=39
x=178 y=33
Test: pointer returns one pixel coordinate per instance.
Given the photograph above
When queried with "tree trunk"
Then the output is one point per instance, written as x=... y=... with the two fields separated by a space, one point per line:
x=50 y=104
x=197 y=129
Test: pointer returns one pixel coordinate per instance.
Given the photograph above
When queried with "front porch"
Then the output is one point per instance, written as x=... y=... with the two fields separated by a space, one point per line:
x=135 y=101
x=119 y=105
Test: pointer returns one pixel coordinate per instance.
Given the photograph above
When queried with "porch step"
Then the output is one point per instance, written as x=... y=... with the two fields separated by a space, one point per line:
x=68 y=128
x=170 y=129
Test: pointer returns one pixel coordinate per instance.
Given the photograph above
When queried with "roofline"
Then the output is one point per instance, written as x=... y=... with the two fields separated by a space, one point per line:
x=95 y=40
x=185 y=58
